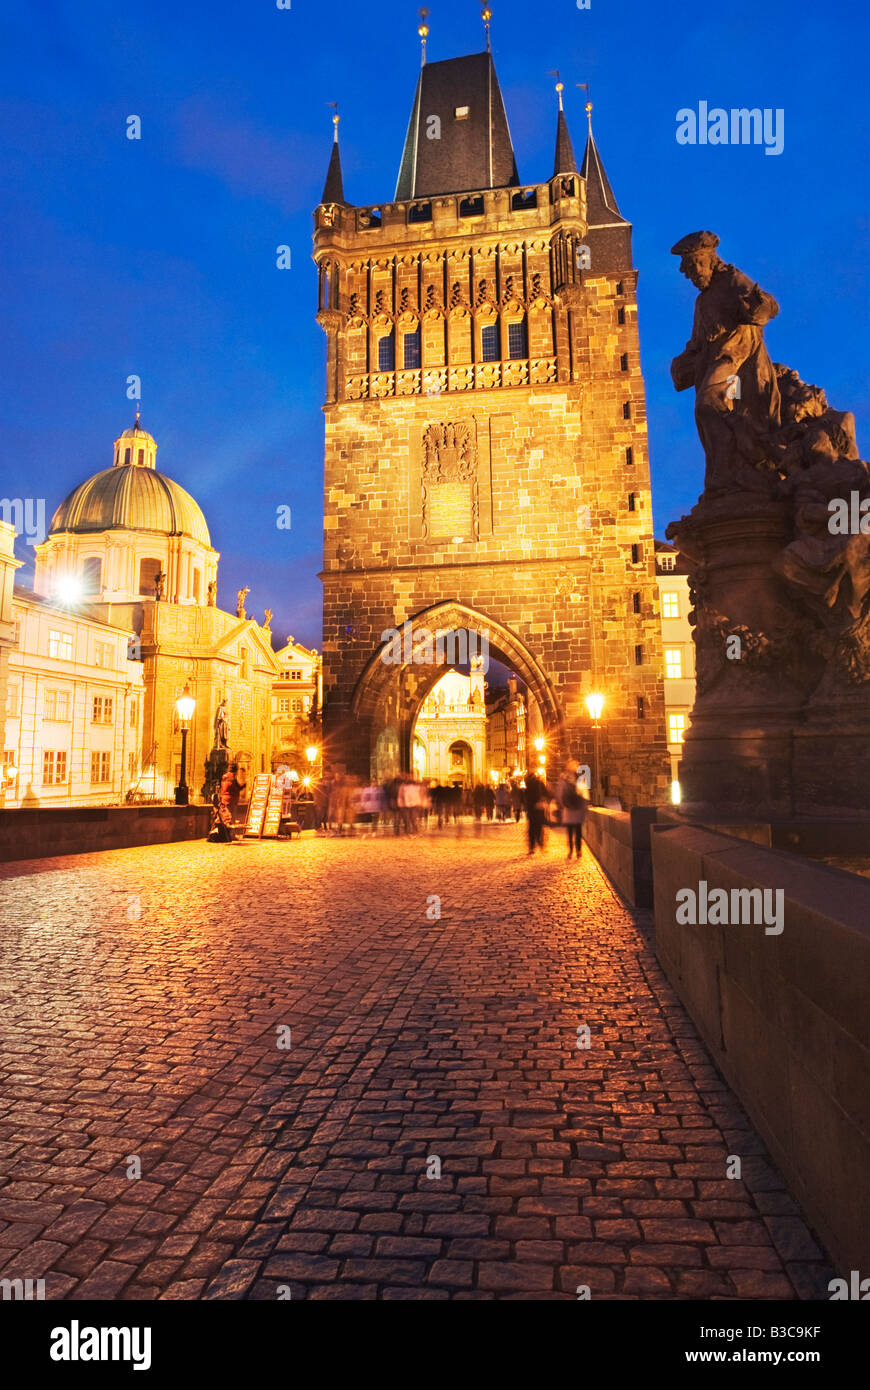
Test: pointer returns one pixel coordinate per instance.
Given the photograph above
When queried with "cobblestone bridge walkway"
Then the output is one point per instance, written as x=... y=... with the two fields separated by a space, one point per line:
x=145 y=992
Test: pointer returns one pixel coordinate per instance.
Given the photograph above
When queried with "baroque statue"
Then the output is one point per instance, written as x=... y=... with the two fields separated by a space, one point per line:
x=221 y=726
x=778 y=552
x=241 y=595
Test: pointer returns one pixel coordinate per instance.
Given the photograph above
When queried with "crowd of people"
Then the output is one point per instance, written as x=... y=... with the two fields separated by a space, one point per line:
x=405 y=805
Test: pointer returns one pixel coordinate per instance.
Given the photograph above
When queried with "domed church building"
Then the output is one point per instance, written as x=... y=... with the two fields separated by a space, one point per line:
x=135 y=548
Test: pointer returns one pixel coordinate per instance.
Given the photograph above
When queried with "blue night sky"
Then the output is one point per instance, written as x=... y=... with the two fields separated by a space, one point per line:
x=158 y=257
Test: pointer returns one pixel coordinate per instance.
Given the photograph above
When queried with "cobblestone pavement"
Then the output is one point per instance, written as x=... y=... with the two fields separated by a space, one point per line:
x=143 y=992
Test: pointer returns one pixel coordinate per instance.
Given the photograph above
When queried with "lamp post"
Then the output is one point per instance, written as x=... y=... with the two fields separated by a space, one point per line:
x=595 y=704
x=311 y=753
x=184 y=707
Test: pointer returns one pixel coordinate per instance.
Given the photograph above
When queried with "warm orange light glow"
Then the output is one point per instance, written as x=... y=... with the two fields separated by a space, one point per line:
x=595 y=704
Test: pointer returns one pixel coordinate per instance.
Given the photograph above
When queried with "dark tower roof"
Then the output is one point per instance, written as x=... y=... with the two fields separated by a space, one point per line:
x=474 y=150
x=333 y=191
x=564 y=162
x=601 y=205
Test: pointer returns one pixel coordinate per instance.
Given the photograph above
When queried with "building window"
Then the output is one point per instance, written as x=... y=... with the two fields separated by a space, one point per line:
x=283 y=704
x=243 y=673
x=460 y=113
x=632 y=501
x=101 y=764
x=676 y=727
x=101 y=712
x=140 y=456
x=197 y=585
x=411 y=349
x=56 y=705
x=60 y=645
x=636 y=554
x=296 y=675
x=638 y=654
x=104 y=656
x=673 y=663
x=641 y=707
x=126 y=456
x=296 y=704
x=489 y=342
x=12 y=700
x=635 y=602
x=148 y=572
x=629 y=456
x=619 y=287
x=668 y=562
x=671 y=604
x=620 y=315
x=92 y=572
x=623 y=362
x=54 y=769
x=134 y=713
x=518 y=345
x=387 y=353
x=131 y=765
x=626 y=411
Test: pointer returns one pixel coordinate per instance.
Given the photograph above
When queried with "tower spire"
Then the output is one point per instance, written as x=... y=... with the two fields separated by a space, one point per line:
x=333 y=188
x=564 y=161
x=486 y=16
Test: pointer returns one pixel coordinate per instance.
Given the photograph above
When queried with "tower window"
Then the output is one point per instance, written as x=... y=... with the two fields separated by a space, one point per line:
x=471 y=207
x=641 y=707
x=518 y=345
x=629 y=456
x=461 y=113
x=489 y=343
x=623 y=362
x=619 y=287
x=411 y=349
x=126 y=455
x=632 y=502
x=636 y=552
x=387 y=353
x=638 y=654
x=635 y=602
x=197 y=581
x=140 y=456
x=620 y=315
x=626 y=411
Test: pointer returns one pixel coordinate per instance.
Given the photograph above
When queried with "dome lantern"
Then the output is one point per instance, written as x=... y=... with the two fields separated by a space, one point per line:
x=135 y=448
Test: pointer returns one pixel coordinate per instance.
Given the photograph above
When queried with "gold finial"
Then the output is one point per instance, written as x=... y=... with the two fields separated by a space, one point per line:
x=423 y=31
x=486 y=16
x=138 y=413
x=335 y=120
x=560 y=85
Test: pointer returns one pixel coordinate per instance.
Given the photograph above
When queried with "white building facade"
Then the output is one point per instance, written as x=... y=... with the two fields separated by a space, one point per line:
x=678 y=649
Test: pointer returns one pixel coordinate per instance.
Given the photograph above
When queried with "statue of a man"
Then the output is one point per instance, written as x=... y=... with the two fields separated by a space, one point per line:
x=725 y=359
x=241 y=595
x=221 y=726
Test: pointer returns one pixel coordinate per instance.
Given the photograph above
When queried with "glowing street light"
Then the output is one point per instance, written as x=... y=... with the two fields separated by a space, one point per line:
x=184 y=707
x=311 y=753
x=595 y=704
x=540 y=744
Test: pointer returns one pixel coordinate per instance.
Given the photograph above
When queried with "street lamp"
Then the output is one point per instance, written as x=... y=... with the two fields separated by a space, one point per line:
x=184 y=707
x=311 y=753
x=595 y=704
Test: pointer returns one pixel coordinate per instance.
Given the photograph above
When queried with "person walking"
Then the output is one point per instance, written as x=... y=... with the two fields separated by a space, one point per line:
x=537 y=796
x=503 y=801
x=573 y=806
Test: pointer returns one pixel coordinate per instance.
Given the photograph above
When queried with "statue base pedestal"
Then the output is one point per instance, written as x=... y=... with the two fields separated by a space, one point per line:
x=216 y=765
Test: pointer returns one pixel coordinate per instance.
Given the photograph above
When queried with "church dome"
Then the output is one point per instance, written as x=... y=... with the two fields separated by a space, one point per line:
x=131 y=496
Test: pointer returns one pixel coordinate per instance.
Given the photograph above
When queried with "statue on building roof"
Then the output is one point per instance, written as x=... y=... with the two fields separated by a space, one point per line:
x=241 y=595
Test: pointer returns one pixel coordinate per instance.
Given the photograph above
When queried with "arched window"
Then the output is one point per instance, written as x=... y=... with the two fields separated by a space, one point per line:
x=126 y=455
x=518 y=342
x=387 y=353
x=148 y=572
x=197 y=582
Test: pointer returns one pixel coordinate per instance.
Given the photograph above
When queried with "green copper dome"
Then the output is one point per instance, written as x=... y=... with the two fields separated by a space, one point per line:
x=130 y=497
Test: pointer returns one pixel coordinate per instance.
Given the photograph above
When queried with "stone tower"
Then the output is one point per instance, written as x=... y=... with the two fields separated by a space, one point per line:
x=486 y=465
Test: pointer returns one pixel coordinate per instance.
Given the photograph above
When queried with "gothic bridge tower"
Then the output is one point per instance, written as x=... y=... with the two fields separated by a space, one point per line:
x=486 y=463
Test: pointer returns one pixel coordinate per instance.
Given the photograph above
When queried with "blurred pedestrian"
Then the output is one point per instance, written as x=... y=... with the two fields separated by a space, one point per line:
x=573 y=806
x=537 y=797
